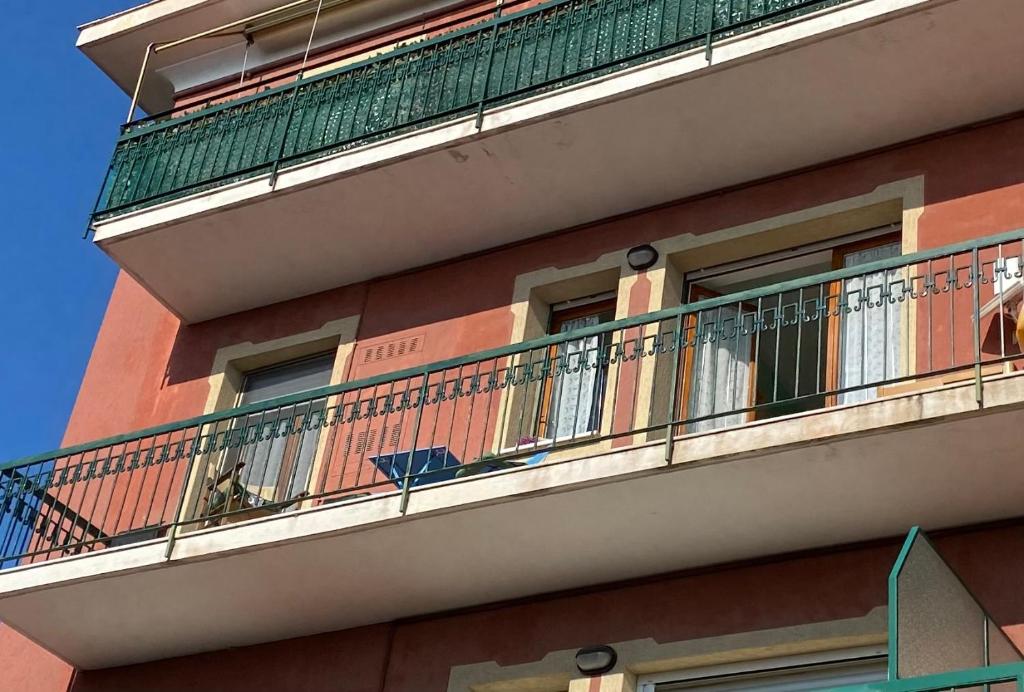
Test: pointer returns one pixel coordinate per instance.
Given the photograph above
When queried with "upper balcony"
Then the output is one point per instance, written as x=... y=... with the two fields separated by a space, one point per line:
x=845 y=406
x=540 y=120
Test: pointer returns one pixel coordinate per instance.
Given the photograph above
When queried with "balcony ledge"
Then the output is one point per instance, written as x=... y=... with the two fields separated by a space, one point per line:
x=833 y=67
x=827 y=477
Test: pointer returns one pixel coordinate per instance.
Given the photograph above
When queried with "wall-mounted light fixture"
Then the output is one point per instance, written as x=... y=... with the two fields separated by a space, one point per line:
x=641 y=257
x=596 y=660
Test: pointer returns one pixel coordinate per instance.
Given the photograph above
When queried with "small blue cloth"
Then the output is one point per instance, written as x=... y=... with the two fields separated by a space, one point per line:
x=431 y=465
x=537 y=458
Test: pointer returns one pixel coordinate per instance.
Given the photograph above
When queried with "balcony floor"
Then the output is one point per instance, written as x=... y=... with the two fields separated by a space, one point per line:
x=645 y=136
x=826 y=478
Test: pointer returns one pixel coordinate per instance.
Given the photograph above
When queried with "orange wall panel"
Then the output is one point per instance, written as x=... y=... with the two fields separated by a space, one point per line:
x=147 y=368
x=24 y=667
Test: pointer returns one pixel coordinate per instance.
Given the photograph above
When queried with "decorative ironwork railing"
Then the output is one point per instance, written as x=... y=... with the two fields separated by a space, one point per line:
x=466 y=71
x=885 y=328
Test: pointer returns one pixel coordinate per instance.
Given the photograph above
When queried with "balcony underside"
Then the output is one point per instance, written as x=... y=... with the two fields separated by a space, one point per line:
x=845 y=81
x=825 y=478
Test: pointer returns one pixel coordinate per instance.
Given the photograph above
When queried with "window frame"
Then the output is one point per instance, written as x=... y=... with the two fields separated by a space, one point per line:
x=839 y=248
x=833 y=357
x=718 y=673
x=228 y=469
x=557 y=317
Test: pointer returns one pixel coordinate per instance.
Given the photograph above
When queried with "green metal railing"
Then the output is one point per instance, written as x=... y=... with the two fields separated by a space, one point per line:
x=459 y=74
x=832 y=339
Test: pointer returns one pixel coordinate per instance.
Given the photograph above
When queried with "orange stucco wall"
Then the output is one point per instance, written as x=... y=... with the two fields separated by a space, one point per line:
x=148 y=369
x=24 y=667
x=418 y=656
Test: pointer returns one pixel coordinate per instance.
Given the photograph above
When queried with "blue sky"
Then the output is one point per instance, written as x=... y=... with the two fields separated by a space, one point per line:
x=57 y=130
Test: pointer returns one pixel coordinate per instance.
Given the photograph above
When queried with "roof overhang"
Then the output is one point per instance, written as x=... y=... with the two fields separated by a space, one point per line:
x=118 y=43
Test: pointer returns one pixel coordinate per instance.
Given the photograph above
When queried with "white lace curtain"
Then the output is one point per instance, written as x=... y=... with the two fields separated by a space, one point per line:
x=576 y=391
x=870 y=346
x=721 y=374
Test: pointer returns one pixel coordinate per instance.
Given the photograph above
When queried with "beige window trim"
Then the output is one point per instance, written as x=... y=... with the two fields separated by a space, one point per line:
x=228 y=373
x=897 y=203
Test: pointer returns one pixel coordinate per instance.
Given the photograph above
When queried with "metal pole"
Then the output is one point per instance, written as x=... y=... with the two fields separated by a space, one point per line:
x=172 y=531
x=674 y=388
x=490 y=65
x=245 y=58
x=150 y=49
x=979 y=385
x=159 y=47
x=407 y=482
x=711 y=31
x=295 y=94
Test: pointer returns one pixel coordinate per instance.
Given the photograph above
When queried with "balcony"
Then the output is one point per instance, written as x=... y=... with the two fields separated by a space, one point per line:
x=503 y=60
x=478 y=129
x=845 y=405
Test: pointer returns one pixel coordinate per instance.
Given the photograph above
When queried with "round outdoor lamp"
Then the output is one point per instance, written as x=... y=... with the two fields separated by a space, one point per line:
x=596 y=660
x=641 y=257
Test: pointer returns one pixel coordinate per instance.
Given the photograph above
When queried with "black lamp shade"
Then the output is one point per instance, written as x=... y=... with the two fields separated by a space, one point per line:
x=596 y=660
x=641 y=257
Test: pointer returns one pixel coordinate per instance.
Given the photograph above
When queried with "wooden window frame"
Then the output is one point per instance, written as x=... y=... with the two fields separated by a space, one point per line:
x=694 y=292
x=229 y=471
x=558 y=318
x=833 y=349
x=697 y=293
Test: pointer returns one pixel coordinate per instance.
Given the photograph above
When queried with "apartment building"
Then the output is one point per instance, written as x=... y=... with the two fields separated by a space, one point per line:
x=564 y=346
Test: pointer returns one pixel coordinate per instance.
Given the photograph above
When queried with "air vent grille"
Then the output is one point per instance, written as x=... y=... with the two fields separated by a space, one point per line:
x=392 y=349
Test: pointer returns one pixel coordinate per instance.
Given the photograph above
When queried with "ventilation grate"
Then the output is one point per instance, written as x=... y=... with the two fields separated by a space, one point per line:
x=366 y=441
x=392 y=349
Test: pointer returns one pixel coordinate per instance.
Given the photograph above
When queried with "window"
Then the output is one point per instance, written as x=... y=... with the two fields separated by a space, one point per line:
x=794 y=350
x=573 y=391
x=869 y=339
x=279 y=445
x=791 y=674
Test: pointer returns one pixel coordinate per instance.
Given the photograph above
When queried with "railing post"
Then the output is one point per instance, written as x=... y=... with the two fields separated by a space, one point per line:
x=138 y=84
x=172 y=531
x=295 y=94
x=284 y=132
x=674 y=390
x=407 y=481
x=979 y=384
x=490 y=65
x=711 y=30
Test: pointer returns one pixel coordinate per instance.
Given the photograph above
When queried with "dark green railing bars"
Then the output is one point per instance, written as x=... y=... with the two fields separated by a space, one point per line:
x=459 y=74
x=902 y=324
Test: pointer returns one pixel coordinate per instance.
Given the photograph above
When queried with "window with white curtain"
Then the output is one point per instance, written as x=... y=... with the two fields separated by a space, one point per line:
x=871 y=326
x=795 y=350
x=575 y=390
x=722 y=368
